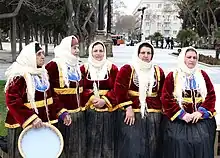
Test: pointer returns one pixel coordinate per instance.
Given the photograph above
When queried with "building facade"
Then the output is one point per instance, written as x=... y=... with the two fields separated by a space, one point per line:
x=159 y=16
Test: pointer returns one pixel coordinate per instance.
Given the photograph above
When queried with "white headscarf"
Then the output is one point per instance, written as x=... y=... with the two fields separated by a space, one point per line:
x=145 y=72
x=64 y=57
x=26 y=66
x=97 y=69
x=183 y=71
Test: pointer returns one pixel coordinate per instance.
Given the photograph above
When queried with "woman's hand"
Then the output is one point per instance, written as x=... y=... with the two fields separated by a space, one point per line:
x=129 y=118
x=37 y=123
x=98 y=103
x=196 y=116
x=67 y=120
x=187 y=117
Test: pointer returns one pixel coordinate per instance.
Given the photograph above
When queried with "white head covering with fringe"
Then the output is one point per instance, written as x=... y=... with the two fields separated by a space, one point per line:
x=26 y=66
x=64 y=57
x=97 y=69
x=183 y=71
x=145 y=72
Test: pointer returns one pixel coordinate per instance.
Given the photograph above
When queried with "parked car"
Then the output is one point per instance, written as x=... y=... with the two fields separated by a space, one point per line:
x=129 y=43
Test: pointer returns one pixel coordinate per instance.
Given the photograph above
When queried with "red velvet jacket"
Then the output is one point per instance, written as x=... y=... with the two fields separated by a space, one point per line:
x=106 y=89
x=170 y=105
x=66 y=95
x=127 y=93
x=20 y=112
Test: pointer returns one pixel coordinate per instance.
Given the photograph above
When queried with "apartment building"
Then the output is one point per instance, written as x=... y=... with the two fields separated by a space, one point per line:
x=159 y=16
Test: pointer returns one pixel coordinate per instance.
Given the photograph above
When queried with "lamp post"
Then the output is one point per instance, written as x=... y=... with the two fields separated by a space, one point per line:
x=109 y=41
x=142 y=17
x=101 y=28
x=101 y=16
x=109 y=17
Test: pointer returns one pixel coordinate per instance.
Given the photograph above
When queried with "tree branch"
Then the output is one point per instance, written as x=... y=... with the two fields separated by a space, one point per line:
x=88 y=17
x=201 y=19
x=213 y=16
x=13 y=14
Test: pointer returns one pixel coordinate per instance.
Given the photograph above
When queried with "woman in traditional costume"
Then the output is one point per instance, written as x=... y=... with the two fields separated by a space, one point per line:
x=138 y=89
x=65 y=78
x=188 y=99
x=98 y=84
x=29 y=97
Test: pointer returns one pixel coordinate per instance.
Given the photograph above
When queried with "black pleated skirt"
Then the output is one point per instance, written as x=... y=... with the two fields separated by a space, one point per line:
x=74 y=136
x=100 y=132
x=13 y=135
x=141 y=140
x=187 y=140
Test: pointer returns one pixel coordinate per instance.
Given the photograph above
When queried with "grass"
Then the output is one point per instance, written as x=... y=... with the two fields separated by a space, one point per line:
x=2 y=109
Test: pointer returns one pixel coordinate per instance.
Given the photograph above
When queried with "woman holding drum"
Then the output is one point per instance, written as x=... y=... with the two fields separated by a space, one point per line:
x=29 y=98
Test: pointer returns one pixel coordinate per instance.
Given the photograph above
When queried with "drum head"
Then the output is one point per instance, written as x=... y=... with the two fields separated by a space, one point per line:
x=45 y=142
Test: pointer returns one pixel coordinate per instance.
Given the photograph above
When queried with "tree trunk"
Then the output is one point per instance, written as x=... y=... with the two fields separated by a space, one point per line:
x=214 y=17
x=32 y=34
x=36 y=32
x=208 y=19
x=206 y=28
x=13 y=39
x=78 y=27
x=50 y=37
x=71 y=14
x=55 y=37
x=20 y=26
x=41 y=36
x=82 y=46
x=46 y=41
x=1 y=47
x=217 y=52
x=27 y=33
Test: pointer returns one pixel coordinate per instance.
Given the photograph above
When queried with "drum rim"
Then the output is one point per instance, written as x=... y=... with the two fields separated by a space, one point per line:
x=45 y=124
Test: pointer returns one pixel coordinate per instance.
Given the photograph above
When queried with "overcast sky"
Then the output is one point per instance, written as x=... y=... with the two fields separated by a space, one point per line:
x=131 y=5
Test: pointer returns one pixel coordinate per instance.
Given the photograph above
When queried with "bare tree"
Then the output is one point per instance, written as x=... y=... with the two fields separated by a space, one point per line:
x=13 y=28
x=125 y=24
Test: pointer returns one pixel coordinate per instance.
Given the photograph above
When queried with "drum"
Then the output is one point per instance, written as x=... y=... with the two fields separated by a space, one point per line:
x=44 y=142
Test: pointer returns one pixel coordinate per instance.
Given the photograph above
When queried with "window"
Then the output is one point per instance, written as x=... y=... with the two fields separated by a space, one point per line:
x=147 y=24
x=174 y=17
x=147 y=17
x=166 y=24
x=167 y=5
x=174 y=32
x=166 y=32
x=158 y=17
x=158 y=24
x=147 y=32
x=159 y=5
x=159 y=31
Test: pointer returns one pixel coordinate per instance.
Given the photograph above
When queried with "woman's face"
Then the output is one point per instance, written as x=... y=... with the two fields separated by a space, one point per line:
x=190 y=59
x=145 y=54
x=98 y=52
x=75 y=50
x=40 y=57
